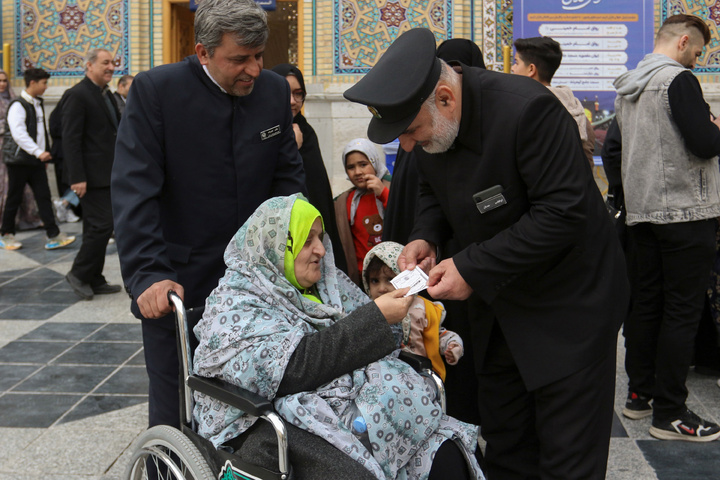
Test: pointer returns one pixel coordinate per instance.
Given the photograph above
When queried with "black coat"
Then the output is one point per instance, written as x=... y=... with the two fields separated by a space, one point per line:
x=318 y=186
x=88 y=134
x=402 y=201
x=193 y=163
x=547 y=264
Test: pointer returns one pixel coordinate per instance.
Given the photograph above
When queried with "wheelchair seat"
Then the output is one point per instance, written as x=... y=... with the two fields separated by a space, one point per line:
x=168 y=453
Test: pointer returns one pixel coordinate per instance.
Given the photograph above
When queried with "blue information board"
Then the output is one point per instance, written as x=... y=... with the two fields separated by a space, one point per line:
x=600 y=39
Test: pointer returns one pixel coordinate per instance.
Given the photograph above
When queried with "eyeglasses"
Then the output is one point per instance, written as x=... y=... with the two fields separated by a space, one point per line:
x=298 y=95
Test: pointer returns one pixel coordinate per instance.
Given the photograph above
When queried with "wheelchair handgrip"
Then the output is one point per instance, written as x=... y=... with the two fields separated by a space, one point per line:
x=247 y=401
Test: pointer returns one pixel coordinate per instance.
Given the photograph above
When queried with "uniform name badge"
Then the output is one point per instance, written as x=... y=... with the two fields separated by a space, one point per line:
x=489 y=199
x=270 y=132
x=491 y=203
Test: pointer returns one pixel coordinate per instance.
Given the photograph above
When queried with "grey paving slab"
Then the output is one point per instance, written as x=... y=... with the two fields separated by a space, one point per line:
x=137 y=359
x=11 y=375
x=132 y=380
x=49 y=296
x=34 y=410
x=94 y=405
x=32 y=352
x=682 y=460
x=63 y=331
x=118 y=333
x=32 y=311
x=65 y=379
x=98 y=353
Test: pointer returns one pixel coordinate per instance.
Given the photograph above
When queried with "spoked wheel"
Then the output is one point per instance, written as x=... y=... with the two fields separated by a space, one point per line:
x=164 y=453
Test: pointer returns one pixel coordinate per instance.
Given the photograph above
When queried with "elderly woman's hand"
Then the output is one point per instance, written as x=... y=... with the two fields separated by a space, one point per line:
x=394 y=305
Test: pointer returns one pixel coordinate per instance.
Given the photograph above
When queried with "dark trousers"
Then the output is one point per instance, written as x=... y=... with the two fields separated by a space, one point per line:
x=162 y=365
x=36 y=177
x=559 y=431
x=97 y=230
x=460 y=379
x=673 y=264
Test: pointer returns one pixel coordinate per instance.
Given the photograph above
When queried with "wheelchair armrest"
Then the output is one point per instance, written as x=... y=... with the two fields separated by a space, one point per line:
x=247 y=401
x=417 y=362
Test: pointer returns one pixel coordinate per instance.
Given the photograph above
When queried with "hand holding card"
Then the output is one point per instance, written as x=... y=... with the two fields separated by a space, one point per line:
x=415 y=279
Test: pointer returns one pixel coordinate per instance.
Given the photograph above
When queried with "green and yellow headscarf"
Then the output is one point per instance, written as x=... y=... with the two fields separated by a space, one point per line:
x=302 y=217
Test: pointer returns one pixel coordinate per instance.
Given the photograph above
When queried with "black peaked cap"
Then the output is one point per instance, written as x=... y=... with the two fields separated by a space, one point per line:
x=396 y=87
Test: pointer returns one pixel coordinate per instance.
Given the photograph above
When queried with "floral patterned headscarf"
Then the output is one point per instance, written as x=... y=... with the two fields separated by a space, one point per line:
x=254 y=321
x=388 y=252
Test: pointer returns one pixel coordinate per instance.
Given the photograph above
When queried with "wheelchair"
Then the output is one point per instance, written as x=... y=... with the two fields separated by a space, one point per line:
x=165 y=452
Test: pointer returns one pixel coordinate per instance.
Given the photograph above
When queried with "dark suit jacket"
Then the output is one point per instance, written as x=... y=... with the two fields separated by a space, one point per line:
x=120 y=102
x=88 y=135
x=546 y=265
x=193 y=163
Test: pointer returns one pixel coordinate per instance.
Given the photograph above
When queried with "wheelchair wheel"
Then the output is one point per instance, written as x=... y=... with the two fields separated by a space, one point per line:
x=167 y=454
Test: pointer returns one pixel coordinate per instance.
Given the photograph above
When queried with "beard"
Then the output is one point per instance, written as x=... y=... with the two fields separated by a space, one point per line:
x=445 y=131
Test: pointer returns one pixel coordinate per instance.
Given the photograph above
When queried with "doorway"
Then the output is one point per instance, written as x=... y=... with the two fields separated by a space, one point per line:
x=282 y=45
x=179 y=31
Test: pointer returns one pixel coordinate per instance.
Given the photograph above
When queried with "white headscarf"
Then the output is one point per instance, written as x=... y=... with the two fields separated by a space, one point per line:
x=367 y=148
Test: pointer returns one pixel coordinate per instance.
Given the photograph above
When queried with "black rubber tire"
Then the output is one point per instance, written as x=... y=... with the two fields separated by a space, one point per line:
x=168 y=451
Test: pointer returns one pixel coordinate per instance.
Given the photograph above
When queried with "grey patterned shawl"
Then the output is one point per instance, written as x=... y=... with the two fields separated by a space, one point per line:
x=253 y=322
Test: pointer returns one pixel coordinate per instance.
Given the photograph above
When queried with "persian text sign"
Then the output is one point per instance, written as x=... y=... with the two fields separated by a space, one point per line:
x=601 y=39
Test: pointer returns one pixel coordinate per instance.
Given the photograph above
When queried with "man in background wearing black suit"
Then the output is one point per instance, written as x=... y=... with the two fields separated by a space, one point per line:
x=121 y=93
x=89 y=127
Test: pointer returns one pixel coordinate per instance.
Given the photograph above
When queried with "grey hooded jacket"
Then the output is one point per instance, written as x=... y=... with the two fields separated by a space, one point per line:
x=663 y=181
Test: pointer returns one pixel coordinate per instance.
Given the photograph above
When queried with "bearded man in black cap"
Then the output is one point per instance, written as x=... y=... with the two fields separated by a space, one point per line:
x=502 y=167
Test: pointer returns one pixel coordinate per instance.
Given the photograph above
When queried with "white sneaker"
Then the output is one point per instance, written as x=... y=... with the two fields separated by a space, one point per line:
x=59 y=241
x=70 y=216
x=8 y=242
x=60 y=210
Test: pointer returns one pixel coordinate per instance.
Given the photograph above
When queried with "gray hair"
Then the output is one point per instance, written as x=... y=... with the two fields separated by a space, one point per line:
x=93 y=54
x=448 y=77
x=244 y=19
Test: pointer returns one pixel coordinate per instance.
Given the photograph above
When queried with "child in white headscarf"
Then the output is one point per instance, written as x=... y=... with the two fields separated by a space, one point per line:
x=360 y=211
x=423 y=333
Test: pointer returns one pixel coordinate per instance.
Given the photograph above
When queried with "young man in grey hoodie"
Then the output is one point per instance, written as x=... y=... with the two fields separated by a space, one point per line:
x=670 y=143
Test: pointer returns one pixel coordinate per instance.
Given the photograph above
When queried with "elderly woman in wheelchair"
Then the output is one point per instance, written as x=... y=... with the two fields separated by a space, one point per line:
x=285 y=323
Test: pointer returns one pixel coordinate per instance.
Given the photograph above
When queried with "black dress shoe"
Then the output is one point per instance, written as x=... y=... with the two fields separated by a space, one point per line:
x=82 y=289
x=106 y=288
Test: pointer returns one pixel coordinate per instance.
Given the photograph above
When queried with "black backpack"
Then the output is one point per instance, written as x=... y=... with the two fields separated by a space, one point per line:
x=55 y=130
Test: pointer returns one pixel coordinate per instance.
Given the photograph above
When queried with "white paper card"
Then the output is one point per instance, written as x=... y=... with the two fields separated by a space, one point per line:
x=416 y=279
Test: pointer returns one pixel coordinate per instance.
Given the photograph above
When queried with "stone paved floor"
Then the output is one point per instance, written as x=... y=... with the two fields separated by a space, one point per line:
x=73 y=388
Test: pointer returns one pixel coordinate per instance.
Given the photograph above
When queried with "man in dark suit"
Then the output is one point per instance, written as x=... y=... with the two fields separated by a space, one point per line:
x=121 y=93
x=202 y=144
x=89 y=127
x=502 y=167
